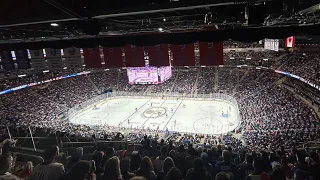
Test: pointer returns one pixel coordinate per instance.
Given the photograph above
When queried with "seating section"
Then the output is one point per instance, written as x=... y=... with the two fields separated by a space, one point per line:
x=274 y=120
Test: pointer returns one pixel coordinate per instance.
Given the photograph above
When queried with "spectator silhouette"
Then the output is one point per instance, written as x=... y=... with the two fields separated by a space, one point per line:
x=207 y=165
x=49 y=169
x=222 y=176
x=80 y=171
x=245 y=168
x=112 y=170
x=125 y=168
x=226 y=164
x=198 y=171
x=160 y=160
x=314 y=167
x=188 y=161
x=278 y=172
x=258 y=173
x=5 y=167
x=146 y=169
x=97 y=158
x=75 y=157
x=173 y=174
x=167 y=165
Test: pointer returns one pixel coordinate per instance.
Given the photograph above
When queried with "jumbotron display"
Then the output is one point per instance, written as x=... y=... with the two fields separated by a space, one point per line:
x=148 y=75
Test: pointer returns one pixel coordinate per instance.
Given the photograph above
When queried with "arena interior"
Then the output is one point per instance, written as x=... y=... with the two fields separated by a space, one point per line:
x=164 y=91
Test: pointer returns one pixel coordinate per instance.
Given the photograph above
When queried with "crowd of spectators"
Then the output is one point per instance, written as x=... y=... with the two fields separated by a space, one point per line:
x=14 y=78
x=206 y=81
x=273 y=121
x=306 y=91
x=271 y=115
x=123 y=81
x=269 y=127
x=185 y=81
x=254 y=81
x=228 y=79
x=252 y=58
x=274 y=113
x=166 y=86
x=235 y=44
x=304 y=65
x=162 y=161
x=105 y=79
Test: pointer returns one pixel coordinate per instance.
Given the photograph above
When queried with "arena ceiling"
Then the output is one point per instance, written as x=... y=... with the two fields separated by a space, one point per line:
x=31 y=21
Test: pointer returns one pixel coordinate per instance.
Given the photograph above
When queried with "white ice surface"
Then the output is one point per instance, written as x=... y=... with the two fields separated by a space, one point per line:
x=188 y=115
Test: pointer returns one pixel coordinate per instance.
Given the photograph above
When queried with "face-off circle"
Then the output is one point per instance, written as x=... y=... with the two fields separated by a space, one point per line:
x=154 y=112
x=90 y=118
x=215 y=126
x=118 y=103
x=211 y=107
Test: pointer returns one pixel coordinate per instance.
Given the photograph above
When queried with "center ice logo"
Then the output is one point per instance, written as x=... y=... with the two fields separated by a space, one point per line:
x=154 y=112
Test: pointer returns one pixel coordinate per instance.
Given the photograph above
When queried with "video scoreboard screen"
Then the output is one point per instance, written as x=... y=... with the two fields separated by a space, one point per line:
x=148 y=74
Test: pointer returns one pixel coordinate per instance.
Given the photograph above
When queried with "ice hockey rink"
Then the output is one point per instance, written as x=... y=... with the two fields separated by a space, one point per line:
x=180 y=115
